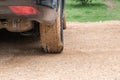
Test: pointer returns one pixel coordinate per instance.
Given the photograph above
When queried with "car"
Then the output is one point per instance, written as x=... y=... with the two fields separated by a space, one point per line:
x=43 y=17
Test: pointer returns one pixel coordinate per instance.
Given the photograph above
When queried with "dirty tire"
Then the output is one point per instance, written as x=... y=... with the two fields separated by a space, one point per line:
x=52 y=35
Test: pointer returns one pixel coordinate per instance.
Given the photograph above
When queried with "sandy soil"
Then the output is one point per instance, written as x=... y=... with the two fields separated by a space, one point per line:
x=92 y=52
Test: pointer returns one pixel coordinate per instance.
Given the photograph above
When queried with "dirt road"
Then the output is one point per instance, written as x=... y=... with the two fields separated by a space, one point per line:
x=92 y=52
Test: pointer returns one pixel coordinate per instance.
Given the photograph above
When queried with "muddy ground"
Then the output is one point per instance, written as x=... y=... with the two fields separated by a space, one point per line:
x=92 y=52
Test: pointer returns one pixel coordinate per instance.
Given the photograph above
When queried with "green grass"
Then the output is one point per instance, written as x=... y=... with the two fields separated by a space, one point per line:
x=97 y=11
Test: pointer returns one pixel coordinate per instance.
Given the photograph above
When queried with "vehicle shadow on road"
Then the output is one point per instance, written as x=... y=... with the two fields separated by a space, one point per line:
x=14 y=43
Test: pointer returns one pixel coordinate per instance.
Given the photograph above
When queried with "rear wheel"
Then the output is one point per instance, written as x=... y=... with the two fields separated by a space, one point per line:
x=52 y=36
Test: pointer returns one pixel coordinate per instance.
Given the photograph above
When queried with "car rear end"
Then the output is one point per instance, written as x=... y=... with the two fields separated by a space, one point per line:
x=45 y=17
x=39 y=10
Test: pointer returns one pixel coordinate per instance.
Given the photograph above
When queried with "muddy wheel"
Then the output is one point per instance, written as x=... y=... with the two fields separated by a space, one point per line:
x=52 y=36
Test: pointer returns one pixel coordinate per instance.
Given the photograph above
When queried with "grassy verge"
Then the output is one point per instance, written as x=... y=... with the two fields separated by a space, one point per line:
x=99 y=10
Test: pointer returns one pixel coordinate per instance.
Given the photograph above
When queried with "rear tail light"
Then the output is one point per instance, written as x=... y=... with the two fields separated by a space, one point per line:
x=24 y=10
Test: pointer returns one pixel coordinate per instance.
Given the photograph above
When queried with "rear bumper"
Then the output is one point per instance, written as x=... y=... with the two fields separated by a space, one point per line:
x=46 y=14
